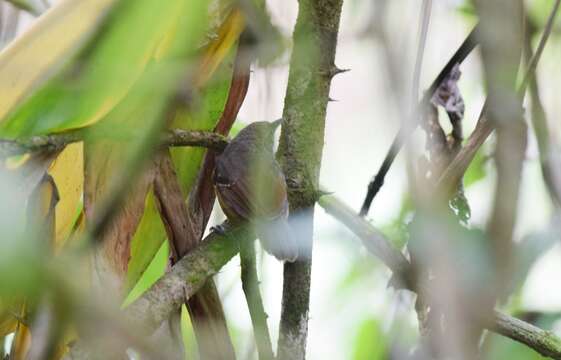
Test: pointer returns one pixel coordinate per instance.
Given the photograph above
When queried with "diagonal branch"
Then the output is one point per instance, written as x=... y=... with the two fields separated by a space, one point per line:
x=184 y=279
x=192 y=271
x=459 y=56
x=484 y=127
x=544 y=342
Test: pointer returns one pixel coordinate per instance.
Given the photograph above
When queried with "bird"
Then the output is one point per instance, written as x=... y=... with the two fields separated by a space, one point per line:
x=251 y=188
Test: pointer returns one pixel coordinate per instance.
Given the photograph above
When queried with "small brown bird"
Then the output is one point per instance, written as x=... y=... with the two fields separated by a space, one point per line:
x=250 y=186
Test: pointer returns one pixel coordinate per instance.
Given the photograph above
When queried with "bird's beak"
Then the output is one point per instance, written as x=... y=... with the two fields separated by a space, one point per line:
x=275 y=124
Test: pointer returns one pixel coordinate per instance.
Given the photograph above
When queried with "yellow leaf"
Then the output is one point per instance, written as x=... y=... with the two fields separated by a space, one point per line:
x=68 y=173
x=228 y=34
x=45 y=48
x=22 y=339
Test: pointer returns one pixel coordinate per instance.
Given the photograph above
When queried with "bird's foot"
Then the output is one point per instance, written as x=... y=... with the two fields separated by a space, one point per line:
x=221 y=229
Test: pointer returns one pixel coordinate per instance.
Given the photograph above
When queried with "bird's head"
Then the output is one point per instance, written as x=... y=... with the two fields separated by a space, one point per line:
x=262 y=133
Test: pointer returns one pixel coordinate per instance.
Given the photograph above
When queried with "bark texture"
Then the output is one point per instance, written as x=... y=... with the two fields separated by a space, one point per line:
x=312 y=66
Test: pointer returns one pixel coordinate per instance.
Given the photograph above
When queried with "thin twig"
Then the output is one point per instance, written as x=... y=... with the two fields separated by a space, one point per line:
x=58 y=141
x=550 y=172
x=455 y=171
x=250 y=285
x=533 y=63
x=459 y=56
x=423 y=32
x=544 y=342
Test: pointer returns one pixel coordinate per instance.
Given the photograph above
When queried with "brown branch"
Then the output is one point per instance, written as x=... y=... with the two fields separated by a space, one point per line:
x=184 y=279
x=58 y=141
x=484 y=127
x=204 y=307
x=378 y=181
x=544 y=342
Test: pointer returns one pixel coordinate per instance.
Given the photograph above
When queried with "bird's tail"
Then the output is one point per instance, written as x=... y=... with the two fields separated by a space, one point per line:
x=278 y=239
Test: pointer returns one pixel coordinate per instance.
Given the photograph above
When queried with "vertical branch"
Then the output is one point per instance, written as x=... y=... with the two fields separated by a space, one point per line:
x=538 y=116
x=501 y=47
x=250 y=285
x=301 y=144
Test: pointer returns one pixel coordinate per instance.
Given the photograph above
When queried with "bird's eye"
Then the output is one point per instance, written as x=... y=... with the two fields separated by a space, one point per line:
x=220 y=179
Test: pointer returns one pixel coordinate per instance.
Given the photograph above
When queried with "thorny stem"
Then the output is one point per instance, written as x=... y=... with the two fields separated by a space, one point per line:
x=301 y=144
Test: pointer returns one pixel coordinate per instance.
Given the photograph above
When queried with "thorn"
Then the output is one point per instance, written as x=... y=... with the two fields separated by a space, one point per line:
x=321 y=192
x=335 y=71
x=330 y=99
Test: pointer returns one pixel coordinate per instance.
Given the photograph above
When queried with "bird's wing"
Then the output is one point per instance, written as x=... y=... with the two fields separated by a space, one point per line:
x=271 y=202
x=257 y=195
x=232 y=192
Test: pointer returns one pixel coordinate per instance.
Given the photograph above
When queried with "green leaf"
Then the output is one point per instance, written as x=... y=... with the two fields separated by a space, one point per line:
x=112 y=65
x=370 y=341
x=212 y=98
x=148 y=239
x=539 y=11
x=476 y=170
x=397 y=230
x=151 y=274
x=499 y=347
x=460 y=206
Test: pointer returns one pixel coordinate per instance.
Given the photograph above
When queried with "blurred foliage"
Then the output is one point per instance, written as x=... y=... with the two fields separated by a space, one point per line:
x=397 y=229
x=218 y=58
x=105 y=70
x=477 y=168
x=189 y=340
x=124 y=74
x=539 y=11
x=529 y=250
x=152 y=273
x=370 y=342
x=460 y=206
